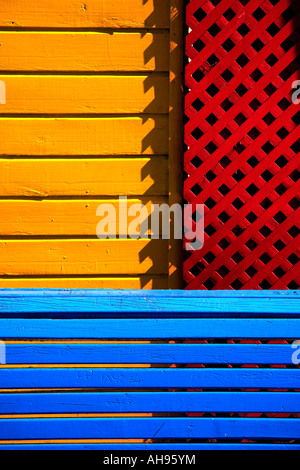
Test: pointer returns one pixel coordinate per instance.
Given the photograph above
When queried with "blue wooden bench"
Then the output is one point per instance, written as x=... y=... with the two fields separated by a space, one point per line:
x=73 y=358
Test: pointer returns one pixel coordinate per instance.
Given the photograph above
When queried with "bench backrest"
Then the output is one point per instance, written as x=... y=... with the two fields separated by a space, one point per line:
x=159 y=365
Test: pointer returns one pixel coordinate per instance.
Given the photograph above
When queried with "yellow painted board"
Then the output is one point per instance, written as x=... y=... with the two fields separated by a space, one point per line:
x=83 y=257
x=141 y=282
x=84 y=51
x=71 y=217
x=83 y=177
x=84 y=13
x=82 y=136
x=71 y=94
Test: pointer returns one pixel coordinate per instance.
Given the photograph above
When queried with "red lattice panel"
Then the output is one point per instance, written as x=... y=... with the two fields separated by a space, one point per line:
x=242 y=142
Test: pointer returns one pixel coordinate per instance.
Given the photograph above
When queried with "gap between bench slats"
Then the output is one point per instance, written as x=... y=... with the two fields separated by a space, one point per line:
x=191 y=446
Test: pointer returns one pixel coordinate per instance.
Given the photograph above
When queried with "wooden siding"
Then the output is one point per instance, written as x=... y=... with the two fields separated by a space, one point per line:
x=89 y=94
x=80 y=51
x=85 y=14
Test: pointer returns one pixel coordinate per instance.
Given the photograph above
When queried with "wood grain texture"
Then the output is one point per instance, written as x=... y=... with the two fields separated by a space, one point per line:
x=73 y=70
x=71 y=94
x=73 y=353
x=129 y=428
x=159 y=328
x=84 y=51
x=85 y=14
x=83 y=136
x=123 y=359
x=67 y=217
x=78 y=257
x=149 y=402
x=83 y=177
x=208 y=303
x=140 y=378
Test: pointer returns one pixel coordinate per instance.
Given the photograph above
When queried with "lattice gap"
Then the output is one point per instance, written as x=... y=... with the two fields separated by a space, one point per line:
x=242 y=146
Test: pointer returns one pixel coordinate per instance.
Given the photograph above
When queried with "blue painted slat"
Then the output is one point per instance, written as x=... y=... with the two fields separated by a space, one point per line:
x=149 y=328
x=158 y=428
x=149 y=402
x=151 y=447
x=35 y=353
x=36 y=301
x=80 y=377
x=148 y=293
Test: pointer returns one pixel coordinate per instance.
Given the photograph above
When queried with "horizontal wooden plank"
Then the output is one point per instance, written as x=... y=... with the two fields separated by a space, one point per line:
x=83 y=177
x=157 y=446
x=97 y=428
x=78 y=257
x=82 y=136
x=160 y=378
x=149 y=328
x=73 y=217
x=84 y=51
x=139 y=282
x=232 y=303
x=72 y=353
x=149 y=402
x=89 y=94
x=88 y=14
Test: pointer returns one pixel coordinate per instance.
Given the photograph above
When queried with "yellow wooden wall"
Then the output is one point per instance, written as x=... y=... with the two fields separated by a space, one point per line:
x=92 y=112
